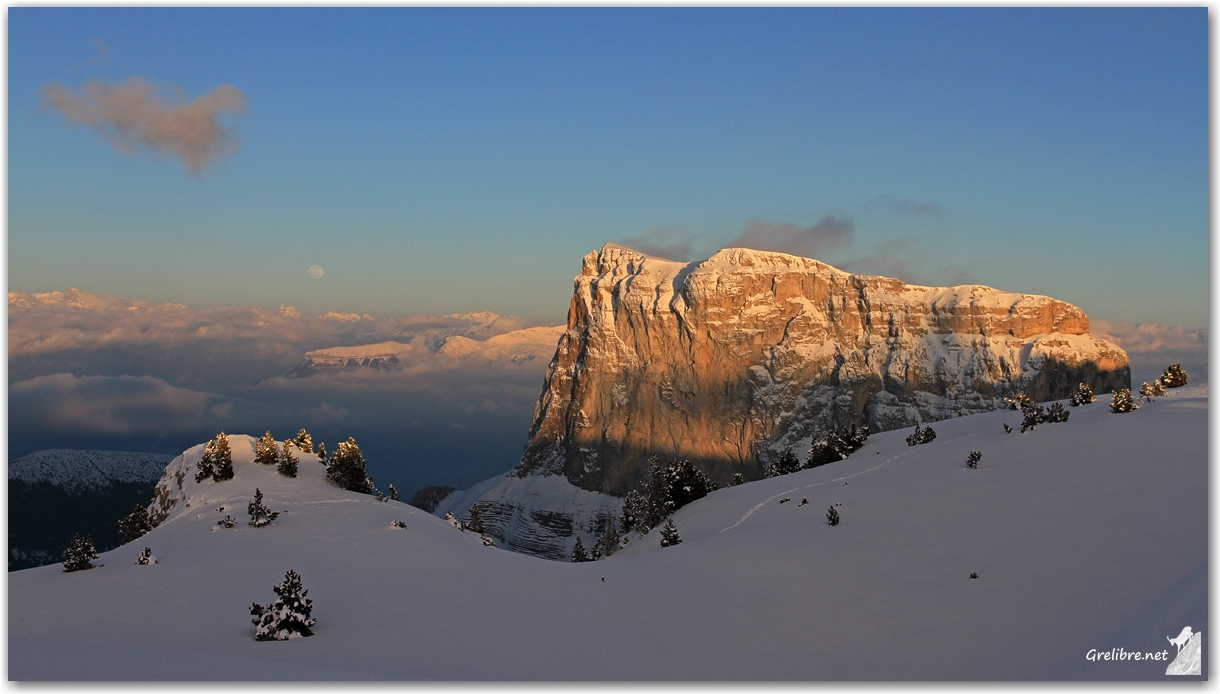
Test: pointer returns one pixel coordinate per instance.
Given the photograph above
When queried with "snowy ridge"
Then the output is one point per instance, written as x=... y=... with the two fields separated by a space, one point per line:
x=1053 y=522
x=77 y=471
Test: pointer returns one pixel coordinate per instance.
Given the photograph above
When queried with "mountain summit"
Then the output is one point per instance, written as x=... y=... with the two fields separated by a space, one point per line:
x=732 y=361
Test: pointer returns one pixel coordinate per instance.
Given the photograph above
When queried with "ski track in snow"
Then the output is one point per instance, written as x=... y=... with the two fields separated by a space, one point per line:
x=837 y=479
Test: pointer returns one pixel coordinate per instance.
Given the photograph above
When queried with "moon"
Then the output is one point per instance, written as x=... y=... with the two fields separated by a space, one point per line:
x=315 y=271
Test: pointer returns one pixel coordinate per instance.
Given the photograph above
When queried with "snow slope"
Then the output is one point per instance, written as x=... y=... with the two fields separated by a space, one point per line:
x=79 y=470
x=1091 y=534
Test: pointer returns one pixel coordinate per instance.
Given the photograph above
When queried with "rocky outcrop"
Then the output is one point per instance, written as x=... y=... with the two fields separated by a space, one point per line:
x=730 y=361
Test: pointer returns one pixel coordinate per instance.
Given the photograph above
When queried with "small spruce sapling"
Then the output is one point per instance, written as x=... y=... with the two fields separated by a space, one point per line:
x=79 y=554
x=222 y=462
x=322 y=452
x=227 y=522
x=972 y=460
x=134 y=525
x=289 y=616
x=578 y=552
x=669 y=534
x=1174 y=376
x=737 y=479
x=1018 y=401
x=146 y=558
x=206 y=464
x=398 y=524
x=287 y=465
x=1057 y=413
x=832 y=516
x=924 y=435
x=1007 y=429
x=265 y=450
x=346 y=468
x=1121 y=401
x=393 y=496
x=260 y=515
x=1034 y=415
x=1082 y=396
x=1153 y=390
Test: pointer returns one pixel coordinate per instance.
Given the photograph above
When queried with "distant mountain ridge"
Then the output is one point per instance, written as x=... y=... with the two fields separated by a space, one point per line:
x=76 y=471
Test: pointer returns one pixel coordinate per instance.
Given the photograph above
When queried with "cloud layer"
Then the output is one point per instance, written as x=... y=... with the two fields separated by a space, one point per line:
x=830 y=234
x=131 y=115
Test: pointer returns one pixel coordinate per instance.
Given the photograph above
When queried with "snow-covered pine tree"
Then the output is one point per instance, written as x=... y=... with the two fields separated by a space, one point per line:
x=924 y=435
x=737 y=479
x=832 y=516
x=1152 y=390
x=609 y=540
x=635 y=512
x=1018 y=401
x=1174 y=376
x=1121 y=401
x=222 y=460
x=78 y=555
x=578 y=552
x=786 y=464
x=287 y=465
x=669 y=534
x=289 y=616
x=1007 y=429
x=207 y=464
x=134 y=525
x=393 y=495
x=346 y=468
x=265 y=450
x=1033 y=415
x=227 y=522
x=476 y=520
x=1056 y=413
x=260 y=515
x=398 y=524
x=1082 y=396
x=146 y=558
x=451 y=520
x=303 y=441
x=972 y=460
x=322 y=452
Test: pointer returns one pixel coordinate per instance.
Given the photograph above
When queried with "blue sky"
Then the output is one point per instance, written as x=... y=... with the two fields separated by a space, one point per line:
x=454 y=160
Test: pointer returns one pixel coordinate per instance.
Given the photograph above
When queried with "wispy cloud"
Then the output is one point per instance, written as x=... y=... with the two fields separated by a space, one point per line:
x=1152 y=347
x=103 y=52
x=828 y=235
x=662 y=243
x=133 y=115
x=906 y=206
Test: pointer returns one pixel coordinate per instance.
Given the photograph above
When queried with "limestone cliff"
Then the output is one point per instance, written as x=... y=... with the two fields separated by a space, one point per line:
x=731 y=360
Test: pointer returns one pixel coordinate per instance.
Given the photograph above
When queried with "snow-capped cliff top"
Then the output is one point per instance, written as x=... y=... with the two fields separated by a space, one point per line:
x=78 y=470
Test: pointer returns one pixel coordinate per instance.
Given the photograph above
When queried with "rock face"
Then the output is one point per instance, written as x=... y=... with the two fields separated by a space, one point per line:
x=730 y=361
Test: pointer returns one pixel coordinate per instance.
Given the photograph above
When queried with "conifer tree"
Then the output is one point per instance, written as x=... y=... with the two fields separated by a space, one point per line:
x=669 y=534
x=260 y=515
x=346 y=468
x=393 y=494
x=222 y=460
x=1007 y=429
x=322 y=452
x=832 y=516
x=227 y=522
x=609 y=540
x=578 y=552
x=1033 y=416
x=207 y=464
x=289 y=616
x=1153 y=390
x=1121 y=401
x=1018 y=401
x=972 y=460
x=134 y=525
x=635 y=512
x=786 y=464
x=737 y=479
x=476 y=520
x=1082 y=396
x=265 y=450
x=924 y=435
x=78 y=555
x=303 y=441
x=1174 y=376
x=146 y=558
x=1056 y=413
x=287 y=465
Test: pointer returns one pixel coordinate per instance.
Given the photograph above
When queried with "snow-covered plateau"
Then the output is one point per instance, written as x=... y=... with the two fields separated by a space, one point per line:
x=80 y=470
x=1088 y=534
